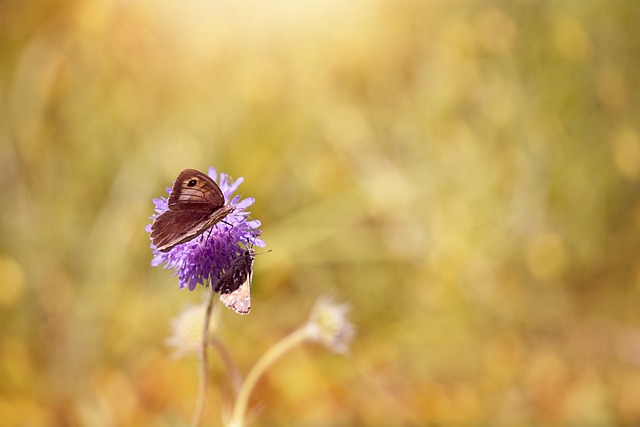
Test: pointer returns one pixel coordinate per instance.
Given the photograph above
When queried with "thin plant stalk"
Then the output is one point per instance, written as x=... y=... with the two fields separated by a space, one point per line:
x=232 y=371
x=274 y=353
x=204 y=365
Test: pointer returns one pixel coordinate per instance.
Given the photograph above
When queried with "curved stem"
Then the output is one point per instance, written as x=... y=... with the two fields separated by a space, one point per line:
x=204 y=365
x=232 y=371
x=274 y=353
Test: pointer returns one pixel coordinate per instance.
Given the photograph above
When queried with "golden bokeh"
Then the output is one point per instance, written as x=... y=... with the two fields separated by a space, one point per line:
x=464 y=174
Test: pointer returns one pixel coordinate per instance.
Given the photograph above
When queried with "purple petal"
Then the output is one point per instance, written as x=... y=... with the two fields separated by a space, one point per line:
x=233 y=187
x=254 y=223
x=213 y=174
x=245 y=203
x=203 y=259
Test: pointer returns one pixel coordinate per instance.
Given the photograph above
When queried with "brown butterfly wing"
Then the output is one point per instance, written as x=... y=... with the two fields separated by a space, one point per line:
x=195 y=204
x=235 y=284
x=179 y=226
x=195 y=190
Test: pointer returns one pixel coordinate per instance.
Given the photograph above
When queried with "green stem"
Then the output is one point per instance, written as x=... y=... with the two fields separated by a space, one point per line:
x=274 y=353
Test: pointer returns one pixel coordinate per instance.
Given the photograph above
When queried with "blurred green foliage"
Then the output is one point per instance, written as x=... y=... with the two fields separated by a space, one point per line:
x=463 y=173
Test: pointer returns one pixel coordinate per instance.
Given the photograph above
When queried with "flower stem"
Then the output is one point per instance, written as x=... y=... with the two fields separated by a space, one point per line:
x=274 y=353
x=204 y=365
x=232 y=371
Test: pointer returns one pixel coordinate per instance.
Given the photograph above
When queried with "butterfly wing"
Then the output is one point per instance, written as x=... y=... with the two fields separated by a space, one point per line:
x=195 y=190
x=179 y=226
x=195 y=204
x=235 y=284
x=240 y=299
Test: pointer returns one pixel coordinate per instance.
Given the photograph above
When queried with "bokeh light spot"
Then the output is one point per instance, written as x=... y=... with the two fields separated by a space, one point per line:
x=571 y=39
x=12 y=280
x=626 y=153
x=546 y=256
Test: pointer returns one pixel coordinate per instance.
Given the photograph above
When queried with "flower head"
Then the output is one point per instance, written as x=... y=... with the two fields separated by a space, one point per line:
x=203 y=259
x=187 y=329
x=329 y=325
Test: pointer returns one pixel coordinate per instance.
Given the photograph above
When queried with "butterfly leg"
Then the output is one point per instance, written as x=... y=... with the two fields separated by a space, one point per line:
x=230 y=225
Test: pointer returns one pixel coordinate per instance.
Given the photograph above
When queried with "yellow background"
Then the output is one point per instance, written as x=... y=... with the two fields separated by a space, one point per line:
x=463 y=173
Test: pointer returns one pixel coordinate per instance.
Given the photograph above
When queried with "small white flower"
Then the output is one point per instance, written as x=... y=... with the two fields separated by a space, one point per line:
x=187 y=329
x=328 y=324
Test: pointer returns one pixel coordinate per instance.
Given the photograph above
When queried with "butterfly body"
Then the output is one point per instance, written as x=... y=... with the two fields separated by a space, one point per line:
x=195 y=204
x=234 y=284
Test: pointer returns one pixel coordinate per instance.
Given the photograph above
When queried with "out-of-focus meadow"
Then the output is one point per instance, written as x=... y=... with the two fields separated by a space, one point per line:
x=464 y=174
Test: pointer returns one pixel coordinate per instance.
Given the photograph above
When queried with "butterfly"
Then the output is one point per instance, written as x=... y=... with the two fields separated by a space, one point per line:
x=196 y=203
x=234 y=284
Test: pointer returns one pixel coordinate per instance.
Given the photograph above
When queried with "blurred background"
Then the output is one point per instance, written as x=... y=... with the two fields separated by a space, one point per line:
x=463 y=173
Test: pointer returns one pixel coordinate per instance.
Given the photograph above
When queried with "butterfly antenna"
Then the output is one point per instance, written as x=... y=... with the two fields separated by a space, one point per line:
x=251 y=244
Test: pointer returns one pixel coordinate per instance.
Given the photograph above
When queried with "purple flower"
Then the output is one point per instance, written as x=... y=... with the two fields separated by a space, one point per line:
x=204 y=258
